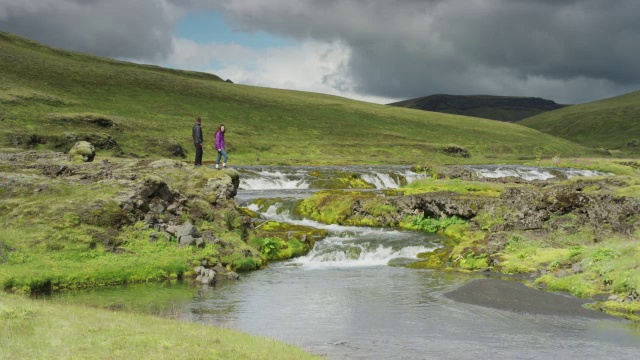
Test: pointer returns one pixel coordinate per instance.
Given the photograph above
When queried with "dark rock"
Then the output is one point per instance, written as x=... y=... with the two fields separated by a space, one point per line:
x=156 y=208
x=153 y=237
x=173 y=148
x=456 y=172
x=457 y=151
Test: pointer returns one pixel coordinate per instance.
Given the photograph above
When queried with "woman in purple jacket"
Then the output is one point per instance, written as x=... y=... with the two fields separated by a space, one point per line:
x=222 y=151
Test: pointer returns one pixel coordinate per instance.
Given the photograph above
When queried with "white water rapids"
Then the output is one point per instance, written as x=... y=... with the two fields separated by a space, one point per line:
x=352 y=246
x=267 y=178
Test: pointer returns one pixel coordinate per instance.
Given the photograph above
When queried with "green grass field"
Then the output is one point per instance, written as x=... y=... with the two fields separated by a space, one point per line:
x=42 y=330
x=49 y=98
x=609 y=123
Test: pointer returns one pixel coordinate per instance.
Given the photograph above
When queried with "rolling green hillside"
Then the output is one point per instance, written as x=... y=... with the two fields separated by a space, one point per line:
x=50 y=98
x=502 y=108
x=610 y=123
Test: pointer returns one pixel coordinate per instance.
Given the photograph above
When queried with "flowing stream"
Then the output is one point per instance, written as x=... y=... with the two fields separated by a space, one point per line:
x=350 y=297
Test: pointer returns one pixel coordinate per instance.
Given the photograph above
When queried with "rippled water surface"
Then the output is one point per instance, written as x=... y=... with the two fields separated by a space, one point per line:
x=377 y=312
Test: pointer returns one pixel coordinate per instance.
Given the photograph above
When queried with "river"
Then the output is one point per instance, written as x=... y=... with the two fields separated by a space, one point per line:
x=350 y=298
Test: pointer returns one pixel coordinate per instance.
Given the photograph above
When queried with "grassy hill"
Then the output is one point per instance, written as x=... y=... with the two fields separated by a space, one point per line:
x=611 y=123
x=50 y=98
x=503 y=108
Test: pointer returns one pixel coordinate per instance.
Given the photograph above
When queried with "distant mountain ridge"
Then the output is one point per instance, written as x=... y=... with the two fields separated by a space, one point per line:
x=502 y=108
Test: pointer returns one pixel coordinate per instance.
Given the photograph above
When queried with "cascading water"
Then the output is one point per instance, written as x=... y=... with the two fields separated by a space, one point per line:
x=271 y=180
x=381 y=180
x=323 y=177
x=351 y=246
x=530 y=173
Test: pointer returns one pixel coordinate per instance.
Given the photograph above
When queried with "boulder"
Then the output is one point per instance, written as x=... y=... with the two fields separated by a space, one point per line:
x=83 y=150
x=187 y=229
x=222 y=188
x=205 y=276
x=231 y=275
x=186 y=240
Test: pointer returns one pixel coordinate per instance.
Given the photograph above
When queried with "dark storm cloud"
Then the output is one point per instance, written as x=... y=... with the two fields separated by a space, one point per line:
x=570 y=50
x=140 y=29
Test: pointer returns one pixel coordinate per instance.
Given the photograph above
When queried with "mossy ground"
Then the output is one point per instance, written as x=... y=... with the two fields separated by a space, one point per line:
x=64 y=232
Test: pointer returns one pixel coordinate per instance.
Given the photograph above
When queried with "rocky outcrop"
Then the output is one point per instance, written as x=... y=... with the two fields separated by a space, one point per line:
x=222 y=188
x=518 y=208
x=441 y=204
x=214 y=275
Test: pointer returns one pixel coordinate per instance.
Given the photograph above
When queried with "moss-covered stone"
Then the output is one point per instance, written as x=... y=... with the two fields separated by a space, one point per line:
x=83 y=150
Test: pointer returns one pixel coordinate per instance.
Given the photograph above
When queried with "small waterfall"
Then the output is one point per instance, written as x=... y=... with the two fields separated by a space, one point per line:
x=381 y=181
x=529 y=173
x=276 y=180
x=301 y=178
x=338 y=252
x=352 y=246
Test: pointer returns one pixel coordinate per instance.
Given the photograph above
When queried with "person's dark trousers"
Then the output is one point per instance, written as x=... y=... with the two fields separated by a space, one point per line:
x=198 y=155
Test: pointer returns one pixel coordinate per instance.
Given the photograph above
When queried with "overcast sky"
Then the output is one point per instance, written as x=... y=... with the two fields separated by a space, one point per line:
x=570 y=51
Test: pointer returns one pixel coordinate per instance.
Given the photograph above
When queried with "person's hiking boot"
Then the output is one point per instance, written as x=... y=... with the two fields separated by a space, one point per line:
x=217 y=167
x=224 y=165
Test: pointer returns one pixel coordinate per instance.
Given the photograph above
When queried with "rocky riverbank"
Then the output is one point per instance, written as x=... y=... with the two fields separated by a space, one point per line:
x=577 y=235
x=69 y=223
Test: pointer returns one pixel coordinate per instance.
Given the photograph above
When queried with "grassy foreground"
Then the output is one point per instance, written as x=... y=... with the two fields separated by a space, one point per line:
x=50 y=98
x=40 y=330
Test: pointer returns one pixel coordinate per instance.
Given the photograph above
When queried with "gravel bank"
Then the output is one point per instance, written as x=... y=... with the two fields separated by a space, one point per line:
x=515 y=296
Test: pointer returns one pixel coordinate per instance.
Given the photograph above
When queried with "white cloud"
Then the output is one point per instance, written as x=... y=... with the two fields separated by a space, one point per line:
x=192 y=55
x=307 y=66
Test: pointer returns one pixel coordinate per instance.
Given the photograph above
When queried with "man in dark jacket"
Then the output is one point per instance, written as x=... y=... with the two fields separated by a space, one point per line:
x=198 y=141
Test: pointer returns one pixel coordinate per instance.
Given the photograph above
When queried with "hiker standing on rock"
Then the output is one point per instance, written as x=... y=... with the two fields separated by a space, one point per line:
x=198 y=141
x=222 y=151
